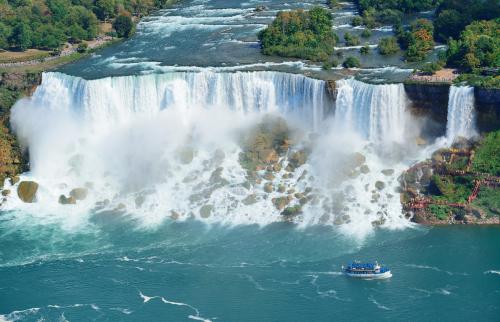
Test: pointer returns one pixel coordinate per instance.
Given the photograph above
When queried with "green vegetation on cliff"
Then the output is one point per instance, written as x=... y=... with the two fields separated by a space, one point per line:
x=487 y=158
x=459 y=184
x=300 y=34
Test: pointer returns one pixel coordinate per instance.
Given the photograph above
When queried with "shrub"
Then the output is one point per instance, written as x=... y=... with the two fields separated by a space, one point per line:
x=351 y=40
x=327 y=65
x=431 y=68
x=82 y=47
x=351 y=62
x=365 y=50
x=441 y=212
x=357 y=21
x=388 y=46
x=366 y=33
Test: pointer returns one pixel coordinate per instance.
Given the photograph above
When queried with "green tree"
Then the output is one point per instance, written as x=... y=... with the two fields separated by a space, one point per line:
x=351 y=62
x=5 y=32
x=123 y=26
x=104 y=9
x=351 y=40
x=21 y=36
x=478 y=46
x=388 y=46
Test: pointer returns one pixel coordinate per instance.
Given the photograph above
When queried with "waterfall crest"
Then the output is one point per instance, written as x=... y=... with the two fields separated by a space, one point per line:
x=376 y=112
x=461 y=113
x=116 y=99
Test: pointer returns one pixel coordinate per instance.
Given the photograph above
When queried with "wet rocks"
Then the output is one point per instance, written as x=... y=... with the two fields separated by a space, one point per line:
x=26 y=190
x=79 y=193
x=292 y=211
x=297 y=158
x=281 y=202
x=268 y=187
x=63 y=200
x=388 y=172
x=206 y=211
x=249 y=200
x=264 y=144
x=357 y=159
x=364 y=169
x=139 y=200
x=379 y=185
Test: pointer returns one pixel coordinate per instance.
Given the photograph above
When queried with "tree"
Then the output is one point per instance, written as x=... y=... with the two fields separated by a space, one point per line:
x=123 y=26
x=5 y=32
x=351 y=40
x=104 y=9
x=420 y=40
x=388 y=46
x=21 y=36
x=449 y=23
x=351 y=62
x=478 y=46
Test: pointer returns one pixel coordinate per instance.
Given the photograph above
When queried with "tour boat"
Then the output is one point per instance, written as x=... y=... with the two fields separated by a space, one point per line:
x=367 y=270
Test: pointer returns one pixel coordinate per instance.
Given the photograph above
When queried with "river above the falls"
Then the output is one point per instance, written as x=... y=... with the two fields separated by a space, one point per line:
x=221 y=35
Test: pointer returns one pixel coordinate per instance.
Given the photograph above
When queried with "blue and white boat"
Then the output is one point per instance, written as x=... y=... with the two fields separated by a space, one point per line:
x=367 y=270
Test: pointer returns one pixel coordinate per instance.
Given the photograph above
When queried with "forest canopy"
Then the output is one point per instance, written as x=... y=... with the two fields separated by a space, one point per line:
x=47 y=24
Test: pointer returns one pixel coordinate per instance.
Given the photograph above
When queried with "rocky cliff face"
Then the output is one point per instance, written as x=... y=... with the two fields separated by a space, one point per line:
x=487 y=96
x=488 y=107
x=12 y=87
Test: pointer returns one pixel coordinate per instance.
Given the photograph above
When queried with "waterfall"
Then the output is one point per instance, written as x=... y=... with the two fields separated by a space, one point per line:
x=162 y=145
x=118 y=99
x=376 y=112
x=461 y=113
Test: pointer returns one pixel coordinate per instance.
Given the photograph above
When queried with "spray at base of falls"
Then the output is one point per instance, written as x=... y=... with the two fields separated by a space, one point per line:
x=157 y=146
x=461 y=113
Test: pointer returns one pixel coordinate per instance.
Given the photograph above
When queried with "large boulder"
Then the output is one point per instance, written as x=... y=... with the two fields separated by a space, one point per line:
x=79 y=193
x=26 y=190
x=206 y=211
x=186 y=154
x=63 y=200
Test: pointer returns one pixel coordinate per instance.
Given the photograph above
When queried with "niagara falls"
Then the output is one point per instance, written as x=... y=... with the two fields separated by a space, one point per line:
x=216 y=160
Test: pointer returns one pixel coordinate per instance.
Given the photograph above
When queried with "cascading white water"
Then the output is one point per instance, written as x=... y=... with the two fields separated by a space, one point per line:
x=376 y=112
x=168 y=145
x=461 y=113
x=118 y=99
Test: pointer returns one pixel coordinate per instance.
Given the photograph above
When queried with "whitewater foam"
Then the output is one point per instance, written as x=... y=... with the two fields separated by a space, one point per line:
x=126 y=140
